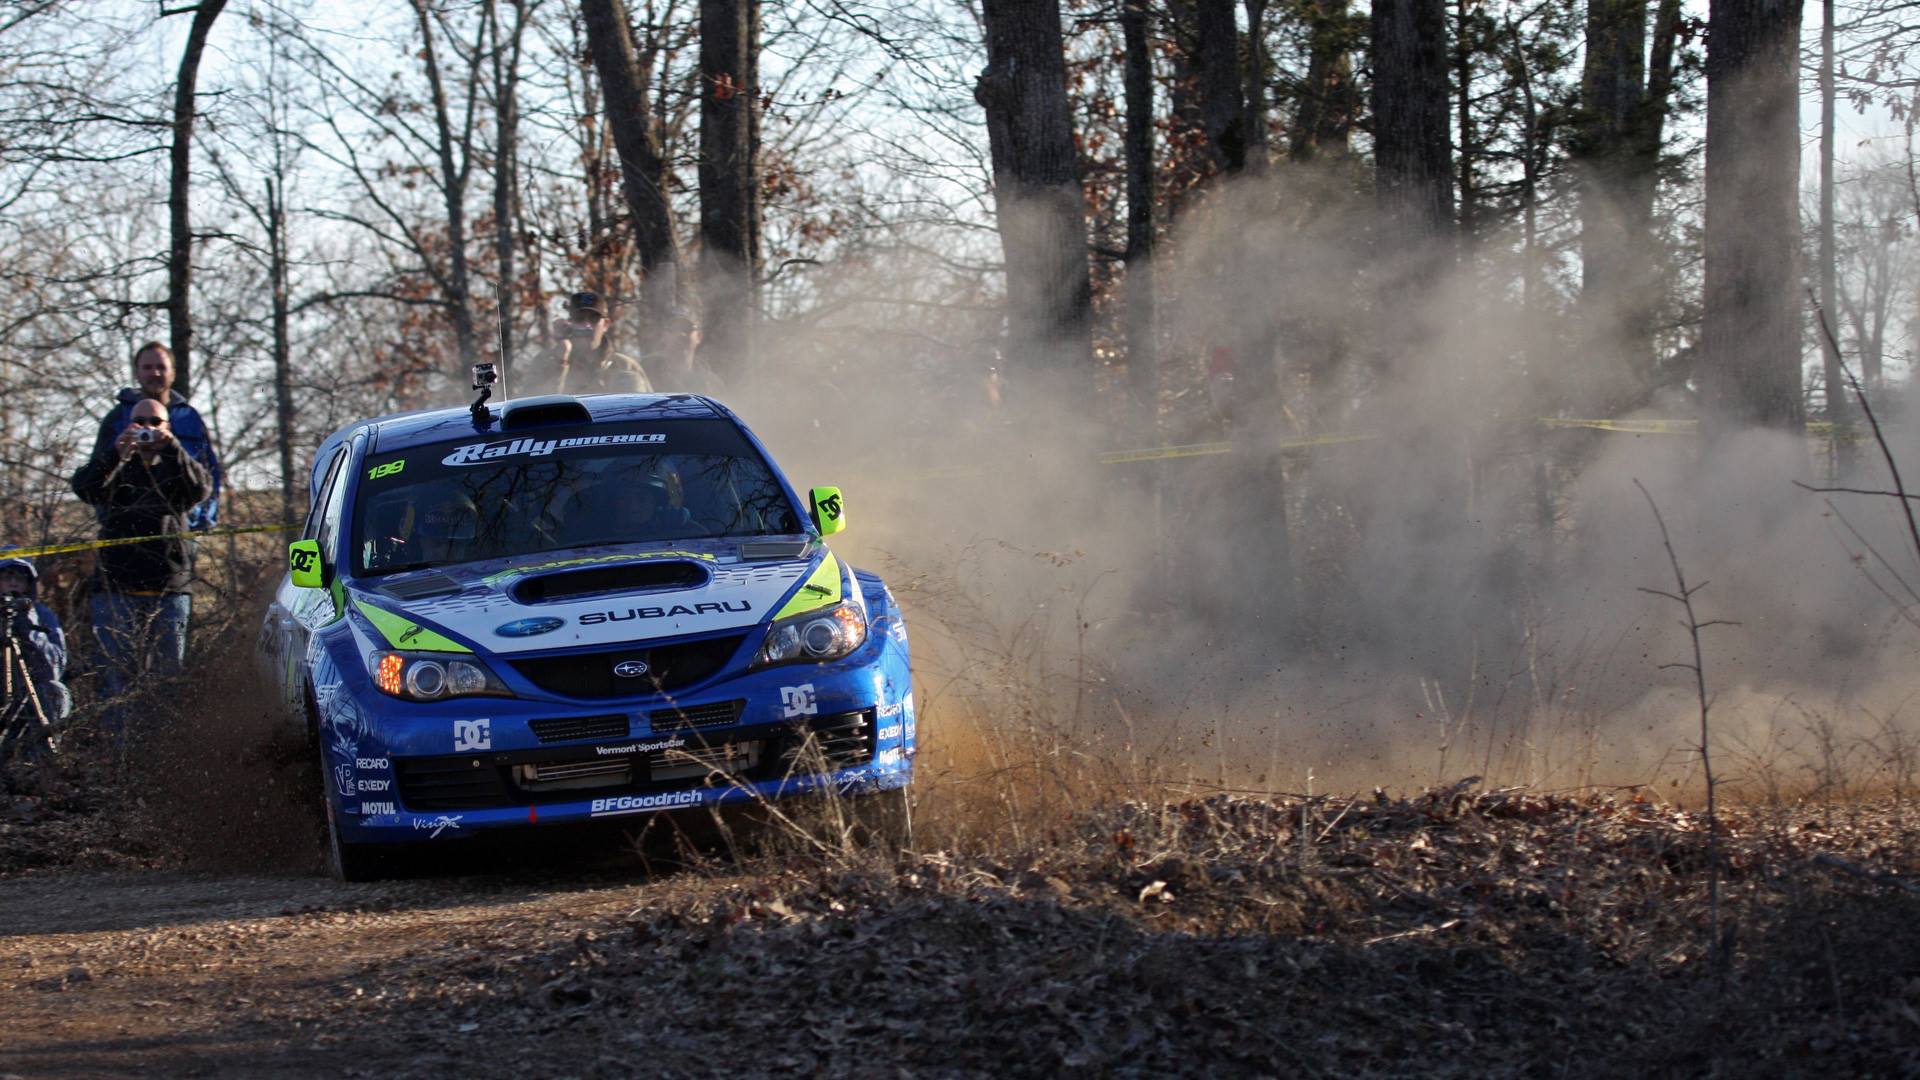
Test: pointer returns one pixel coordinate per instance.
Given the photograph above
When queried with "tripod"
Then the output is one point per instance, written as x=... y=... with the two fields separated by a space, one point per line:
x=25 y=733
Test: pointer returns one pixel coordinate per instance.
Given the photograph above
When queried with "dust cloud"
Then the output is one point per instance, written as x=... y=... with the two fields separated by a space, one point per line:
x=1465 y=593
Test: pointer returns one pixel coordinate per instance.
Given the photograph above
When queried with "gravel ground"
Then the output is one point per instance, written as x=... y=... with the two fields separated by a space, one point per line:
x=1461 y=932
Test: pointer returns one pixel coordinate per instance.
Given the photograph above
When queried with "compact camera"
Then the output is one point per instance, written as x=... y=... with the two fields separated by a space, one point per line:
x=146 y=436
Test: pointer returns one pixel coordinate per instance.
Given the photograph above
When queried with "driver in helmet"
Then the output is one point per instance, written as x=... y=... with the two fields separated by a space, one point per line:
x=448 y=527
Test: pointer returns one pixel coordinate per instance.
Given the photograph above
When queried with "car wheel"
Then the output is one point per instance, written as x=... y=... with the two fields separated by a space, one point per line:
x=886 y=819
x=349 y=862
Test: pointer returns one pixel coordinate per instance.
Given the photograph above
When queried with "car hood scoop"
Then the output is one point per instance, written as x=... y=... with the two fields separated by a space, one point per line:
x=650 y=576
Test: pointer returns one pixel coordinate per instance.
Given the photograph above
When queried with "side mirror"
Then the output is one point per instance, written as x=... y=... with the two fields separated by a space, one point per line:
x=303 y=560
x=829 y=514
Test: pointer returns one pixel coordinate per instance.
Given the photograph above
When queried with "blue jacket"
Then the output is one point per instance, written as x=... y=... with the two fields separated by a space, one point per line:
x=188 y=428
x=42 y=639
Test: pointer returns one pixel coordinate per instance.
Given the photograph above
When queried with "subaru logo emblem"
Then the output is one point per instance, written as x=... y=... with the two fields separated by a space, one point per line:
x=630 y=669
x=529 y=627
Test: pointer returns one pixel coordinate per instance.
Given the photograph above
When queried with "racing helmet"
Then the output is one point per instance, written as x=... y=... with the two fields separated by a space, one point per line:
x=451 y=518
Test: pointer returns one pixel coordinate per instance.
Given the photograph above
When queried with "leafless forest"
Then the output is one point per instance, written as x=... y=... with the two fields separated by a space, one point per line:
x=1400 y=509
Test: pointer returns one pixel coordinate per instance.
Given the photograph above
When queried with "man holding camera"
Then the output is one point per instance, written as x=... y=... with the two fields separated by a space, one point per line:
x=153 y=370
x=677 y=356
x=35 y=631
x=581 y=359
x=145 y=484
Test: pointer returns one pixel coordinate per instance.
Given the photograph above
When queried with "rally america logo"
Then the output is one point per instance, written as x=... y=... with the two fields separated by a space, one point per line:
x=477 y=453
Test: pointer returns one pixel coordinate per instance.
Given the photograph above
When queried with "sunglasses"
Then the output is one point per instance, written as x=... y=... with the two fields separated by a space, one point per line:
x=148 y=421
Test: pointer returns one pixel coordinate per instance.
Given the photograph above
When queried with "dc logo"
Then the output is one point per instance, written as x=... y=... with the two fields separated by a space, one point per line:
x=343 y=776
x=472 y=735
x=302 y=560
x=798 y=701
x=831 y=507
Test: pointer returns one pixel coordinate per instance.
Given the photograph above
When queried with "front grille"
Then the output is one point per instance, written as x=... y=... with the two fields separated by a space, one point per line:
x=717 y=714
x=669 y=667
x=450 y=784
x=567 y=728
x=759 y=752
x=839 y=742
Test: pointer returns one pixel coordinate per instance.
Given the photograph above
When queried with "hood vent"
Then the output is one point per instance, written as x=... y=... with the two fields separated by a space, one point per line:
x=648 y=576
x=419 y=588
x=774 y=549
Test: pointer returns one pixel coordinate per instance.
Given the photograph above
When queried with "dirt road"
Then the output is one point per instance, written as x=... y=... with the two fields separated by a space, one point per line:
x=142 y=974
x=1455 y=934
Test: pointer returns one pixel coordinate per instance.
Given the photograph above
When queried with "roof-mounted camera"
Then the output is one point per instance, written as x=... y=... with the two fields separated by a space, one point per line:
x=485 y=376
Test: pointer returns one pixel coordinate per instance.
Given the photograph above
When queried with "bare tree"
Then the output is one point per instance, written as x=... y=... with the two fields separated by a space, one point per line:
x=1036 y=175
x=1750 y=334
x=1223 y=106
x=1624 y=104
x=1324 y=117
x=728 y=178
x=1142 y=346
x=180 y=252
x=633 y=124
x=1412 y=156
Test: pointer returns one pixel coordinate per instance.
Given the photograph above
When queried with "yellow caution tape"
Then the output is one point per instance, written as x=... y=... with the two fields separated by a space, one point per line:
x=91 y=545
x=1630 y=427
x=1162 y=453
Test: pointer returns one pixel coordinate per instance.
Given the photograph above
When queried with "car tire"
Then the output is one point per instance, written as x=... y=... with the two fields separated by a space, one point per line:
x=349 y=862
x=886 y=819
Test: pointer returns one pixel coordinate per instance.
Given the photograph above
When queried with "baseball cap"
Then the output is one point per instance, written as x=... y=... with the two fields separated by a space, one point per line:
x=587 y=301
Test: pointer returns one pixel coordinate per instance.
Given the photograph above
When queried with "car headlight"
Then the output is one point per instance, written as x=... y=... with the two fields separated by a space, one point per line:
x=827 y=634
x=432 y=677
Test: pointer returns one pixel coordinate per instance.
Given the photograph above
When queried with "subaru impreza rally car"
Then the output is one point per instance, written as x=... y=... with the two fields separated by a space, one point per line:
x=556 y=610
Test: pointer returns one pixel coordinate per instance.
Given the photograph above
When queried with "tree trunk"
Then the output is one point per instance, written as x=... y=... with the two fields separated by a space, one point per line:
x=1412 y=149
x=1616 y=173
x=282 y=347
x=180 y=252
x=1142 y=347
x=1838 y=411
x=1257 y=66
x=643 y=169
x=1325 y=117
x=453 y=187
x=1750 y=333
x=1039 y=209
x=1216 y=60
x=726 y=182
x=506 y=180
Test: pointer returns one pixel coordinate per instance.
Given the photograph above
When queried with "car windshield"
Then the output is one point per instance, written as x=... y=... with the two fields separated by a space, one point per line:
x=556 y=488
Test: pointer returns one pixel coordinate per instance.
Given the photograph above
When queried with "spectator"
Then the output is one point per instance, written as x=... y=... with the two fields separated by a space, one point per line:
x=680 y=368
x=37 y=631
x=153 y=370
x=145 y=483
x=581 y=359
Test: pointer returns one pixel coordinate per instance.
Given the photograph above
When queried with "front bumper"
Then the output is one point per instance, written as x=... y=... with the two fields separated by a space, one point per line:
x=404 y=772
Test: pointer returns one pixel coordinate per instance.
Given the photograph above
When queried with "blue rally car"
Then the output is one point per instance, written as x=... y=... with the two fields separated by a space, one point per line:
x=556 y=610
